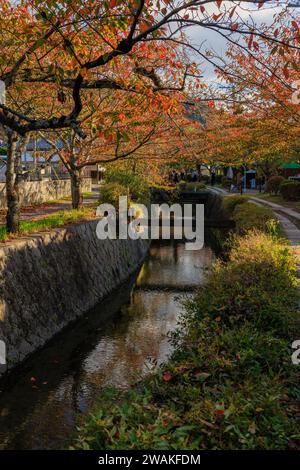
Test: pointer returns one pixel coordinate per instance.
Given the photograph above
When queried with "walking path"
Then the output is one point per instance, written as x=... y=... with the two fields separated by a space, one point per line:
x=278 y=207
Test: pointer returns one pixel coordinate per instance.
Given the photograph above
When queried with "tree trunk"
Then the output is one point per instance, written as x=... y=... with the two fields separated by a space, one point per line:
x=76 y=180
x=12 y=185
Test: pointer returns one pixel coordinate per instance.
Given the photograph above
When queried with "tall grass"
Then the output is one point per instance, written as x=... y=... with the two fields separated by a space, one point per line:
x=230 y=383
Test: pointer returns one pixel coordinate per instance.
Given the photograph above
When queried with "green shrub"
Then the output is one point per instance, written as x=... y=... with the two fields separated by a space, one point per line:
x=192 y=186
x=182 y=185
x=258 y=282
x=273 y=184
x=205 y=179
x=111 y=192
x=249 y=216
x=290 y=190
x=230 y=202
x=225 y=182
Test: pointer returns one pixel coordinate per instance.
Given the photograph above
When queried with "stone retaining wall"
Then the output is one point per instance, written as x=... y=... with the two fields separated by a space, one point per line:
x=51 y=278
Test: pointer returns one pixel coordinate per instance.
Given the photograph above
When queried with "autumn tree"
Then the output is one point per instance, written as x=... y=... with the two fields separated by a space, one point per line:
x=75 y=45
x=264 y=77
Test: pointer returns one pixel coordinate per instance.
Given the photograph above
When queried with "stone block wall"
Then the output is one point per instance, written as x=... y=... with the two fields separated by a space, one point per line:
x=37 y=192
x=49 y=279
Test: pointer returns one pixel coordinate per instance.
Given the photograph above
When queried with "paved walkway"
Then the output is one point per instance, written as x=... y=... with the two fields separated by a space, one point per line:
x=251 y=194
x=278 y=207
x=39 y=211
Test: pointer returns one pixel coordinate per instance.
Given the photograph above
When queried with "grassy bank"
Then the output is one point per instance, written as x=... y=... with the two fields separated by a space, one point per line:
x=56 y=219
x=230 y=383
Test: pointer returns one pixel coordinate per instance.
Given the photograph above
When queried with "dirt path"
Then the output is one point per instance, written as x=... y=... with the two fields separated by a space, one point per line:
x=39 y=211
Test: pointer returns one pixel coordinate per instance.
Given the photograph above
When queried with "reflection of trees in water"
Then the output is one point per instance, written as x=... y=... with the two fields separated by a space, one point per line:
x=174 y=265
x=28 y=406
x=151 y=317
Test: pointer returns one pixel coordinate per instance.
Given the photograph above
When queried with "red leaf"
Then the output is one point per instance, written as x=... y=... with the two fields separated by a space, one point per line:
x=260 y=4
x=211 y=104
x=202 y=8
x=167 y=376
x=219 y=3
x=219 y=412
x=234 y=26
x=286 y=73
x=122 y=116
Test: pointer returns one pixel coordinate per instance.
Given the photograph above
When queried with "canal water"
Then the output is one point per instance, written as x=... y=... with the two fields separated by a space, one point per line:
x=114 y=344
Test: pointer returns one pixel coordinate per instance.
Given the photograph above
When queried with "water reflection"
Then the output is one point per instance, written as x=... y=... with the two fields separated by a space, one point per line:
x=113 y=343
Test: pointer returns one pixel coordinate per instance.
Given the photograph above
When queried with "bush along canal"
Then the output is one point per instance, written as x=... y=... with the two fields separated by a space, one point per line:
x=229 y=382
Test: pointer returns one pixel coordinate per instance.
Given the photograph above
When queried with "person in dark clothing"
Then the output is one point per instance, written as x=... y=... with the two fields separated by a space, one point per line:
x=194 y=176
x=213 y=178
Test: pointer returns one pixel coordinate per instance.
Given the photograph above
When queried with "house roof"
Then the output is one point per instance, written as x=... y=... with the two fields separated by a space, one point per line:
x=290 y=166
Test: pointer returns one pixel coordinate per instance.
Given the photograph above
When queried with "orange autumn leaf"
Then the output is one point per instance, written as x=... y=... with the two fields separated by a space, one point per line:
x=143 y=27
x=232 y=12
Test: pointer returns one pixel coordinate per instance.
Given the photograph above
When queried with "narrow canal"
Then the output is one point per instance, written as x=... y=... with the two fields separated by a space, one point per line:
x=113 y=344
